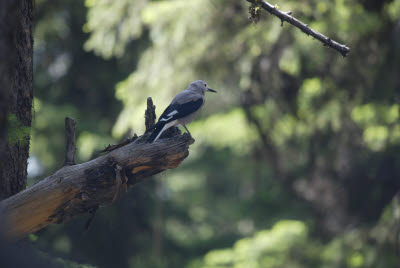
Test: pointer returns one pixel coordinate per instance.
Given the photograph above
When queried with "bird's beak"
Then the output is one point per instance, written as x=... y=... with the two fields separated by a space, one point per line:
x=212 y=90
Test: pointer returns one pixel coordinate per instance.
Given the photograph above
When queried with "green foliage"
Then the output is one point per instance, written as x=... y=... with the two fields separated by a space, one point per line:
x=69 y=82
x=269 y=248
x=295 y=158
x=255 y=10
x=113 y=24
x=393 y=9
x=46 y=259
x=378 y=122
x=18 y=133
x=288 y=244
x=240 y=139
x=290 y=62
x=369 y=114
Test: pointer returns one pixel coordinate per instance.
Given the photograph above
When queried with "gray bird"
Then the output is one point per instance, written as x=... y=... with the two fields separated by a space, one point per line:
x=182 y=110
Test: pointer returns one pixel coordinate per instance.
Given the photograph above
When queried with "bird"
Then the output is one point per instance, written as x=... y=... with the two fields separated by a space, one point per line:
x=182 y=110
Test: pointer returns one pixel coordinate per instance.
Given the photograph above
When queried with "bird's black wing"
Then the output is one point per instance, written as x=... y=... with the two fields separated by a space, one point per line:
x=176 y=111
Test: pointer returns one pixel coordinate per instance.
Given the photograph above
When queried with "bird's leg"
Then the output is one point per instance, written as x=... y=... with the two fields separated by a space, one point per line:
x=187 y=130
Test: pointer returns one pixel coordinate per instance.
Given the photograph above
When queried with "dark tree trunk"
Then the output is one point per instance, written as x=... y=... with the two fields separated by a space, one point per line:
x=16 y=93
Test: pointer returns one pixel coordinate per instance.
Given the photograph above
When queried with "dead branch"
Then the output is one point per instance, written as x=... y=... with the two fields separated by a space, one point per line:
x=70 y=141
x=150 y=114
x=286 y=16
x=81 y=188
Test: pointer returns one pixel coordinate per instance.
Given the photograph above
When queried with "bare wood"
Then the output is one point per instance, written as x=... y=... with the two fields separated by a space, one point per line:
x=150 y=114
x=286 y=16
x=70 y=150
x=81 y=188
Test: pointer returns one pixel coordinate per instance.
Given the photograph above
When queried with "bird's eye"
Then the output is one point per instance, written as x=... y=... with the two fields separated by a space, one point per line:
x=205 y=85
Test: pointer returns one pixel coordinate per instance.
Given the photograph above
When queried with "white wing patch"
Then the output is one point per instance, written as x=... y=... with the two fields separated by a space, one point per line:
x=165 y=119
x=172 y=113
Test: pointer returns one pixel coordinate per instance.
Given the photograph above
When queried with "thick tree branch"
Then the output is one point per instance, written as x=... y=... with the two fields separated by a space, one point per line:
x=78 y=189
x=81 y=188
x=286 y=16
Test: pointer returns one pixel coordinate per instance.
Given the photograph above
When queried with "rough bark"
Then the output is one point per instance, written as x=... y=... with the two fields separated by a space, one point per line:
x=6 y=58
x=16 y=93
x=70 y=149
x=81 y=188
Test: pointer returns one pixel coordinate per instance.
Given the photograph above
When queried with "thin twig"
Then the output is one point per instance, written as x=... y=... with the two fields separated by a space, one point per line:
x=110 y=147
x=286 y=16
x=70 y=141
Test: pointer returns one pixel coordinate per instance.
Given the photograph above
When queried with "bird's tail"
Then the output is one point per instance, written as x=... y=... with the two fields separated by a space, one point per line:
x=157 y=130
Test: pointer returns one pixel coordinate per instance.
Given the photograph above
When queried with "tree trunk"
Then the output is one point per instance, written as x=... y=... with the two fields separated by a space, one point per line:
x=16 y=93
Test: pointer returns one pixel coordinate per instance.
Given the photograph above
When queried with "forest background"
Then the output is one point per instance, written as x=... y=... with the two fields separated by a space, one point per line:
x=296 y=161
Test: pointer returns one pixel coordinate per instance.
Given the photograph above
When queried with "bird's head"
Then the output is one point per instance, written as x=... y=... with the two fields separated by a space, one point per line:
x=201 y=86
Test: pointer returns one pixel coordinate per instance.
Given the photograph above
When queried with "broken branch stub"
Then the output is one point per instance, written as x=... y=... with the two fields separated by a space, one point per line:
x=70 y=150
